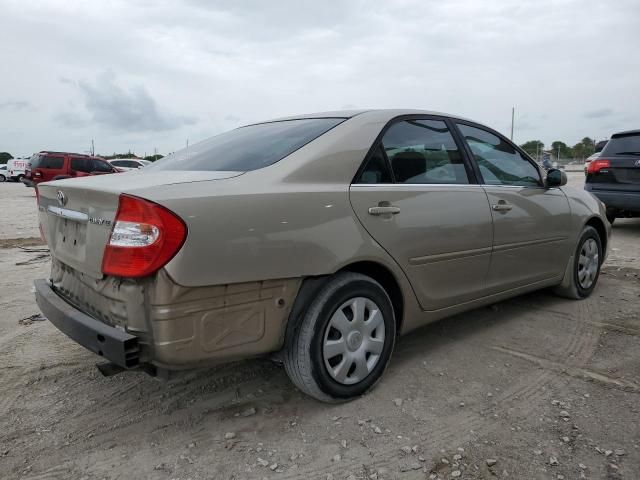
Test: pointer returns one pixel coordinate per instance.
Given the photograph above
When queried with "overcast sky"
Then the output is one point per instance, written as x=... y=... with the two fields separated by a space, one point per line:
x=143 y=74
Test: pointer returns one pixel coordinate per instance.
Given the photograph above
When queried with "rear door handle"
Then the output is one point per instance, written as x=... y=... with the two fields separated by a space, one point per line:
x=502 y=206
x=382 y=210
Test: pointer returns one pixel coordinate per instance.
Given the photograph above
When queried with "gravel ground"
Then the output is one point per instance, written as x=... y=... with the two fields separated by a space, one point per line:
x=534 y=387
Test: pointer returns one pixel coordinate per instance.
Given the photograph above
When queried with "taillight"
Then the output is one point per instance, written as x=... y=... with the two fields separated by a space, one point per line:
x=144 y=238
x=596 y=165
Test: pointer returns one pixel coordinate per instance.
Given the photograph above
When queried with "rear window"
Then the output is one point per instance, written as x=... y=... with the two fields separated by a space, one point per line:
x=247 y=148
x=46 y=161
x=623 y=145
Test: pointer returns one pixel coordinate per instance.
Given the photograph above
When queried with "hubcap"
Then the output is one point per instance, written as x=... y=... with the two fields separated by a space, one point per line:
x=353 y=340
x=588 y=263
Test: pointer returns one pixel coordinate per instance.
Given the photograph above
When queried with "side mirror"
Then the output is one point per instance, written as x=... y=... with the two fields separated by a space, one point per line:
x=556 y=178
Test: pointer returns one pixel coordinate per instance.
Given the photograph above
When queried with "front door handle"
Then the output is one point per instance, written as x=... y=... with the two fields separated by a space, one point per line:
x=502 y=206
x=381 y=210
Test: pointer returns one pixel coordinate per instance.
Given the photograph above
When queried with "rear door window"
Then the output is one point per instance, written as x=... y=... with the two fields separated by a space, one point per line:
x=498 y=160
x=424 y=151
x=376 y=169
x=248 y=148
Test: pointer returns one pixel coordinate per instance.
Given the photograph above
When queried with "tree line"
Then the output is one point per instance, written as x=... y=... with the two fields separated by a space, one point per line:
x=581 y=150
x=151 y=158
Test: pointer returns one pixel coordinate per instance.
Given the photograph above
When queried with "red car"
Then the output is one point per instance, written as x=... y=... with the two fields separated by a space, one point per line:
x=45 y=166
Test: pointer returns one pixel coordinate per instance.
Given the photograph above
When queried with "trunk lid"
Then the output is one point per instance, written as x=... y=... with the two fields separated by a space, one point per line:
x=77 y=215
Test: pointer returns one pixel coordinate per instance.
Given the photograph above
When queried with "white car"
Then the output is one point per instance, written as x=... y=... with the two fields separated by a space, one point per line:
x=4 y=173
x=126 y=164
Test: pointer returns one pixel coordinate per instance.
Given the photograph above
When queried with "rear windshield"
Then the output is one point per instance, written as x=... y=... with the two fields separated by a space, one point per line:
x=46 y=161
x=247 y=148
x=623 y=145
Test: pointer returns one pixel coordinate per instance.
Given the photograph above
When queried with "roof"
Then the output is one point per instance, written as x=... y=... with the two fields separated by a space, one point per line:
x=381 y=113
x=628 y=132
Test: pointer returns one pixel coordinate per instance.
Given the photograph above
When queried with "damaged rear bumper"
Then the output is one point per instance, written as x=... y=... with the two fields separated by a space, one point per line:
x=109 y=342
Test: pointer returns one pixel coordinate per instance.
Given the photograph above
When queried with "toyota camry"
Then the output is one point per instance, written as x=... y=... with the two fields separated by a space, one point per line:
x=316 y=239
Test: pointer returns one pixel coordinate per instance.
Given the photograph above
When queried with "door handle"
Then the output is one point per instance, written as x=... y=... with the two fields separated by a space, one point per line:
x=502 y=206
x=381 y=210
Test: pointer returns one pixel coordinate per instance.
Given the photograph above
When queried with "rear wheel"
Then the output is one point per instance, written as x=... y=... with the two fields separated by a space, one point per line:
x=344 y=341
x=585 y=270
x=2 y=178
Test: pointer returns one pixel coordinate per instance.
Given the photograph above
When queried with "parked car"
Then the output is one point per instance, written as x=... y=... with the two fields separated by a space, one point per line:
x=4 y=173
x=127 y=164
x=317 y=239
x=45 y=166
x=614 y=176
x=16 y=168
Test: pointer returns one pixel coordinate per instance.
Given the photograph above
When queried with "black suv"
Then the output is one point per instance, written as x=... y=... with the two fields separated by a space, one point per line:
x=614 y=177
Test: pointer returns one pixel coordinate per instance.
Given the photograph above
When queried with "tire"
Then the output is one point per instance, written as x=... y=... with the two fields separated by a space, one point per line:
x=308 y=358
x=3 y=178
x=581 y=284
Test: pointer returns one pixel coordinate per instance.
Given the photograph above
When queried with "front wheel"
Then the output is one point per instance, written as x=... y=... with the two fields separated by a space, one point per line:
x=585 y=272
x=344 y=341
x=2 y=178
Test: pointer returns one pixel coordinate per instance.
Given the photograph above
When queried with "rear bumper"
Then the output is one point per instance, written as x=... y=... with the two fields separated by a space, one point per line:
x=111 y=343
x=618 y=200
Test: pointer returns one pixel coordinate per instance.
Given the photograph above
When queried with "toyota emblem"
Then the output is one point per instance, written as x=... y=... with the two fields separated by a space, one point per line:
x=62 y=198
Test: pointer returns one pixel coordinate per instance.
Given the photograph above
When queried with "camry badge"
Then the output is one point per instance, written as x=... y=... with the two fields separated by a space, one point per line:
x=62 y=198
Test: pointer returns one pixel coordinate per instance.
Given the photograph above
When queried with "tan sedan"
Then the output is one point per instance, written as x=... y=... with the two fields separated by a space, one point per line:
x=317 y=239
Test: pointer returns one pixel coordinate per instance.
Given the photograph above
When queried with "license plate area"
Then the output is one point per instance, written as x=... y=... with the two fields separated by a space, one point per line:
x=70 y=234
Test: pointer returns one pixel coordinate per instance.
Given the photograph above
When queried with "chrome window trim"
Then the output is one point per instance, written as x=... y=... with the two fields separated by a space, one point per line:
x=474 y=185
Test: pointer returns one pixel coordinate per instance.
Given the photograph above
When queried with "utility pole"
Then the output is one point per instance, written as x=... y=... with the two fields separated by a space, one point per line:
x=93 y=149
x=537 y=149
x=513 y=112
x=558 y=155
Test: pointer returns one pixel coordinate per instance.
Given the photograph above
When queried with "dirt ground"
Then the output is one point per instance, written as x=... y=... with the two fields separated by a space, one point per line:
x=534 y=387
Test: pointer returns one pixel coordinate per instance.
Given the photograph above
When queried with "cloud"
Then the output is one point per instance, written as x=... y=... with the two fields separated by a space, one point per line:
x=111 y=105
x=229 y=62
x=601 y=113
x=14 y=105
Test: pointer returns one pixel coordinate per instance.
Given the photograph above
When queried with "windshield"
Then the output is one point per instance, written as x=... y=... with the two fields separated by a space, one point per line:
x=247 y=148
x=623 y=145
